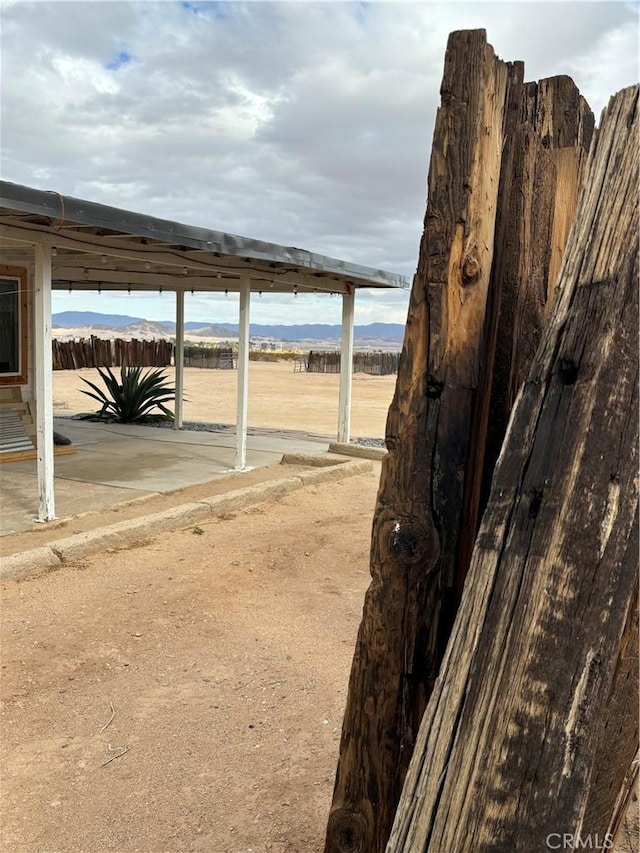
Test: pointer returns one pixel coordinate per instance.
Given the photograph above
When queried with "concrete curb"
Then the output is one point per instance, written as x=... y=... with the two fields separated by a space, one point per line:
x=125 y=534
x=312 y=460
x=359 y=450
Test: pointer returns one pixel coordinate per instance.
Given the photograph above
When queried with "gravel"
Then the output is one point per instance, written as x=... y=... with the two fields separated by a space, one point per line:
x=370 y=442
x=199 y=426
x=189 y=426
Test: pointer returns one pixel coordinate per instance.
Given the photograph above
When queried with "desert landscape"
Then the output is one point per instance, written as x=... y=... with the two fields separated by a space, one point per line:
x=278 y=398
x=187 y=694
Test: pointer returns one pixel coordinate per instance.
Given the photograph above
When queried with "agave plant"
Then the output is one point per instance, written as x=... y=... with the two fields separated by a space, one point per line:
x=133 y=399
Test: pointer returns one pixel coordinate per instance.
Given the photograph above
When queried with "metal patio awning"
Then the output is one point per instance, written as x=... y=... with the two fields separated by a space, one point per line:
x=107 y=248
x=80 y=245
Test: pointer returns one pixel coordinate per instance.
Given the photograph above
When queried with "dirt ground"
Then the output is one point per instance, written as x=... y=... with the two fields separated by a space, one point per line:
x=218 y=656
x=278 y=397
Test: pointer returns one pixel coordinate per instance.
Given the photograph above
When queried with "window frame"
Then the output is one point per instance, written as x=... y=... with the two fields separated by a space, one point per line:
x=19 y=276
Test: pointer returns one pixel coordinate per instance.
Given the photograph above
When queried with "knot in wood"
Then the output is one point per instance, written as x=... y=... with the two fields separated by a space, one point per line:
x=470 y=267
x=413 y=540
x=347 y=831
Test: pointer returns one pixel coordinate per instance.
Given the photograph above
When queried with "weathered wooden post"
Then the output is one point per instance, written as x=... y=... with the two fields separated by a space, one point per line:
x=532 y=726
x=503 y=183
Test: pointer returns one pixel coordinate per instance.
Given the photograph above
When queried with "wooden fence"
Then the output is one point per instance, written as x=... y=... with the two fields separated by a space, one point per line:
x=219 y=358
x=374 y=363
x=95 y=352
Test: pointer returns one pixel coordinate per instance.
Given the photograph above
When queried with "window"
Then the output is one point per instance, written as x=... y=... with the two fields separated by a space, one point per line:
x=13 y=326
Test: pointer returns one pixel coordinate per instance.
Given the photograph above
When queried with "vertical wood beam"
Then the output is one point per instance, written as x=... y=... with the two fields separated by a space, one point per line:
x=489 y=223
x=43 y=368
x=179 y=359
x=549 y=127
x=243 y=373
x=530 y=732
x=407 y=605
x=346 y=365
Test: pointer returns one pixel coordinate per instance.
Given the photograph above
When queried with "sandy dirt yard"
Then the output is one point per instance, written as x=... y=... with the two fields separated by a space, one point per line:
x=187 y=694
x=278 y=397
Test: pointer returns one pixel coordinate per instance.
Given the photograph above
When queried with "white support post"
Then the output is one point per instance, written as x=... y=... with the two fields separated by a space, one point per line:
x=346 y=365
x=179 y=359
x=243 y=374
x=43 y=364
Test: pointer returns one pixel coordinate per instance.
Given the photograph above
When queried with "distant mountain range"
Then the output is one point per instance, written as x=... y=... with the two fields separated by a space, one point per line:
x=392 y=332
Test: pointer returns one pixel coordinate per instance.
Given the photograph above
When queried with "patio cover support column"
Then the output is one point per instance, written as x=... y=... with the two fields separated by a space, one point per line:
x=43 y=367
x=243 y=374
x=346 y=365
x=179 y=359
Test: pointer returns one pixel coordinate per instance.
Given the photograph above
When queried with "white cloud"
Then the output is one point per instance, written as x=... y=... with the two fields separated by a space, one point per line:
x=306 y=124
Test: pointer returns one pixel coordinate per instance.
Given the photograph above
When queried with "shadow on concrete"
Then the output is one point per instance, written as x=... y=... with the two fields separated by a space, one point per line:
x=116 y=463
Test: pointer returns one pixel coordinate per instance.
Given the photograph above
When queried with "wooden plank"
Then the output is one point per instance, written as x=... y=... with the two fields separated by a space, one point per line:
x=627 y=835
x=416 y=519
x=13 y=407
x=543 y=162
x=518 y=740
x=505 y=168
x=25 y=455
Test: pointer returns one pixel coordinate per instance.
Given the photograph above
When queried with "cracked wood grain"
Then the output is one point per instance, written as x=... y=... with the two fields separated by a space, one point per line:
x=503 y=180
x=532 y=727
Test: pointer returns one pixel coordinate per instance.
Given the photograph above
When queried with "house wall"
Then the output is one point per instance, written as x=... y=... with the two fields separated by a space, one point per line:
x=27 y=318
x=14 y=394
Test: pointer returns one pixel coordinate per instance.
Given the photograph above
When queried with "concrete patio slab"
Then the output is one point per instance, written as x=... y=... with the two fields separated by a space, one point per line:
x=115 y=463
x=34 y=561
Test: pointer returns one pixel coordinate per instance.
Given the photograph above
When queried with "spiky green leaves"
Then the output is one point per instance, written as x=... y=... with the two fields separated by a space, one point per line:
x=137 y=398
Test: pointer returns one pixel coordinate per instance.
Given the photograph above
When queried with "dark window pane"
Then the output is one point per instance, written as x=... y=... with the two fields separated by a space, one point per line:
x=9 y=325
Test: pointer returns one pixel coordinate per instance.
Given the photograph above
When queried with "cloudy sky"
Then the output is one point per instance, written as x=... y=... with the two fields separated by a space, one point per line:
x=301 y=123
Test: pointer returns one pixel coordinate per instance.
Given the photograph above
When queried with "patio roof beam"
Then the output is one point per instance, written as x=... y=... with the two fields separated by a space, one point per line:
x=157 y=262
x=93 y=264
x=106 y=279
x=133 y=249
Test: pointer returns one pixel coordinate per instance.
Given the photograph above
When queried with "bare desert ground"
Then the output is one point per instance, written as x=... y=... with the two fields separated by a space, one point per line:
x=187 y=694
x=278 y=398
